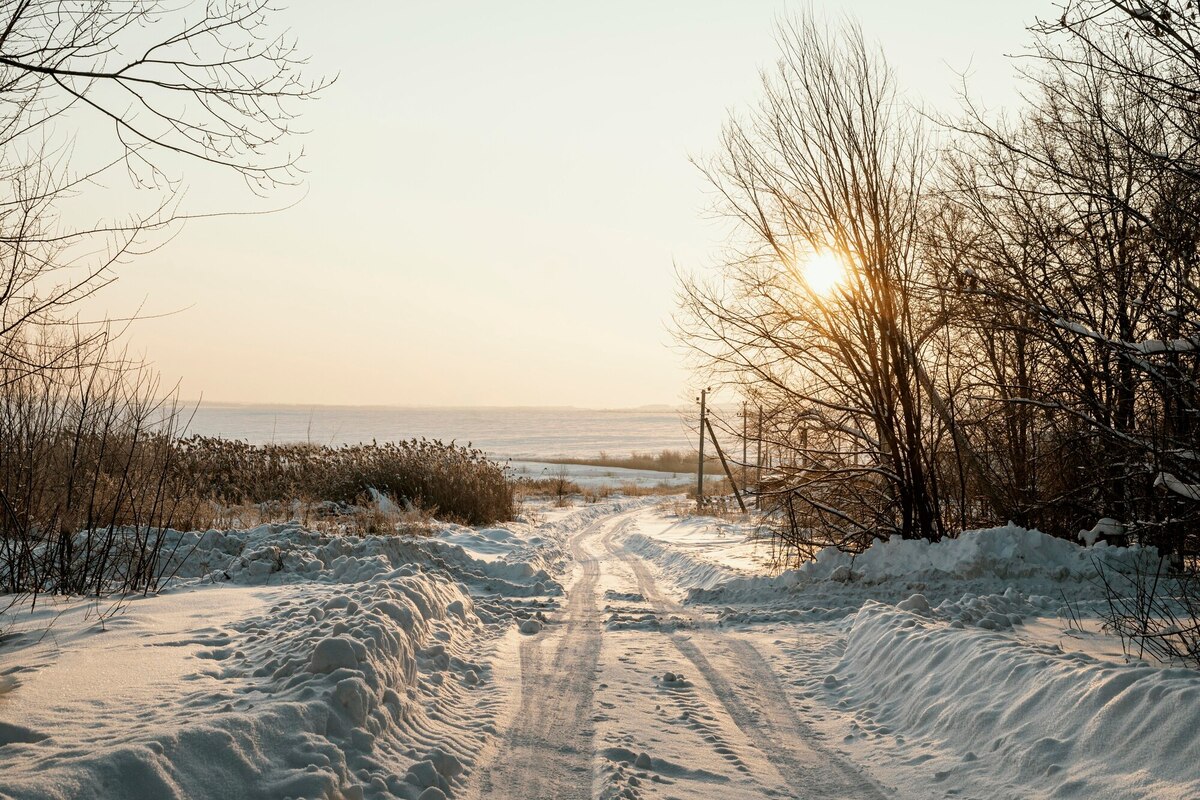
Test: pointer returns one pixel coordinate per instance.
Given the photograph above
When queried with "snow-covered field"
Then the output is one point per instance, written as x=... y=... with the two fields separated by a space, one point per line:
x=609 y=650
x=590 y=477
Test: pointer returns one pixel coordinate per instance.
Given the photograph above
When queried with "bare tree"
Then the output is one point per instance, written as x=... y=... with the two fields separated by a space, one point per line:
x=1072 y=240
x=86 y=437
x=207 y=83
x=210 y=81
x=1017 y=336
x=831 y=162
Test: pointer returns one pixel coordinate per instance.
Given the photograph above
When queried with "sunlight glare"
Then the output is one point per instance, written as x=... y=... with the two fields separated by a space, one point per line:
x=822 y=272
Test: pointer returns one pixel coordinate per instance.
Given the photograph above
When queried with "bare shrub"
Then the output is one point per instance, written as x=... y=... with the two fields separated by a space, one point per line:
x=1154 y=610
x=87 y=478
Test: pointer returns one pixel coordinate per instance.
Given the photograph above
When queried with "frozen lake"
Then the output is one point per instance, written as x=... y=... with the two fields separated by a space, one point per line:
x=522 y=434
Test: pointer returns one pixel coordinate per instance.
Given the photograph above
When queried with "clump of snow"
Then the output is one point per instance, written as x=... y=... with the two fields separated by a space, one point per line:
x=916 y=604
x=674 y=680
x=1189 y=490
x=336 y=652
x=1106 y=527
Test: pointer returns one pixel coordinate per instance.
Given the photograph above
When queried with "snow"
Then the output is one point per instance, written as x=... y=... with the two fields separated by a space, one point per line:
x=956 y=668
x=1000 y=553
x=1189 y=490
x=1151 y=346
x=1105 y=526
x=283 y=662
x=982 y=561
x=703 y=552
x=1143 y=347
x=663 y=654
x=1044 y=722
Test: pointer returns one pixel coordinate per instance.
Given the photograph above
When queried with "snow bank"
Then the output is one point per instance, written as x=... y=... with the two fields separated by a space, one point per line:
x=701 y=553
x=983 y=562
x=1003 y=553
x=1047 y=722
x=493 y=560
x=682 y=568
x=317 y=697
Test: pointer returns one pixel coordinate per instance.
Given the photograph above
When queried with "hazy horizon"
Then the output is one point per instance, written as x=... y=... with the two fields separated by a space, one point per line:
x=522 y=433
x=648 y=407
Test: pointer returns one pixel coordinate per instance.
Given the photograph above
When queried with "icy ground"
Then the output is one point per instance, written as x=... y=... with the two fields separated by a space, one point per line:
x=611 y=650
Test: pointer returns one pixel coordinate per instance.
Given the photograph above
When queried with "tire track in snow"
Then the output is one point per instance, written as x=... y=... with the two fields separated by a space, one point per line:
x=547 y=752
x=757 y=702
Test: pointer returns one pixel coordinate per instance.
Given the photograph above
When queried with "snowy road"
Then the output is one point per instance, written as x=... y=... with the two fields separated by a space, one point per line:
x=606 y=650
x=668 y=704
x=547 y=752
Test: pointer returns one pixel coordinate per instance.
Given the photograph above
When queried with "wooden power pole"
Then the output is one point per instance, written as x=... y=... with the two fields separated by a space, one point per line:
x=758 y=460
x=745 y=464
x=700 y=462
x=725 y=465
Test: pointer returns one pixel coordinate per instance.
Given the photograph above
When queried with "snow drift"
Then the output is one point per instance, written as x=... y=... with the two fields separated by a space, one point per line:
x=1003 y=553
x=1051 y=723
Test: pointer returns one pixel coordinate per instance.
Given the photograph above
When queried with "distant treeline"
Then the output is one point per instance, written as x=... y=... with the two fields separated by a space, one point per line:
x=662 y=461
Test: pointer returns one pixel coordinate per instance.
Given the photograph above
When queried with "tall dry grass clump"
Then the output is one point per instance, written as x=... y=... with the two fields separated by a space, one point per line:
x=456 y=483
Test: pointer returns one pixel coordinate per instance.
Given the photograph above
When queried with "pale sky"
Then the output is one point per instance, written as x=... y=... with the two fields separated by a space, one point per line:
x=497 y=194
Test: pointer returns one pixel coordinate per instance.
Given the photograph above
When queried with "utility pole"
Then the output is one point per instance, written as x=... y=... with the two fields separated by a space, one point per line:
x=700 y=462
x=745 y=424
x=758 y=458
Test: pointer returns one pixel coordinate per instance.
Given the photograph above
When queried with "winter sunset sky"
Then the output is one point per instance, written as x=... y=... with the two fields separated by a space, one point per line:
x=497 y=197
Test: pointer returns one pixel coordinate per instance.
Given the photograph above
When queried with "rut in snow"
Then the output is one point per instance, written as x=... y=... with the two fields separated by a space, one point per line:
x=752 y=699
x=547 y=753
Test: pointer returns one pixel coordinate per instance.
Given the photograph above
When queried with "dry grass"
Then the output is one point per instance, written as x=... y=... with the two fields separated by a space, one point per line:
x=453 y=482
x=87 y=478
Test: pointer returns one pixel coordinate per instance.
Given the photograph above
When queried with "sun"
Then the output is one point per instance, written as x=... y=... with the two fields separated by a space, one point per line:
x=822 y=272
